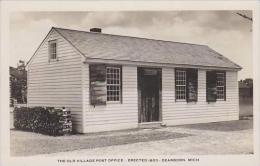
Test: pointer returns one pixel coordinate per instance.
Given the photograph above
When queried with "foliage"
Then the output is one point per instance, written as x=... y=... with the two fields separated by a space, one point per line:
x=45 y=120
x=18 y=83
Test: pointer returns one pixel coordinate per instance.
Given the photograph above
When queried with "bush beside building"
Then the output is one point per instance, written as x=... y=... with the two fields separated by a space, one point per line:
x=45 y=120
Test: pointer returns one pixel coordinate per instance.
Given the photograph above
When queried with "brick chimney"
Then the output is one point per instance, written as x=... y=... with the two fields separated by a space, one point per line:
x=95 y=30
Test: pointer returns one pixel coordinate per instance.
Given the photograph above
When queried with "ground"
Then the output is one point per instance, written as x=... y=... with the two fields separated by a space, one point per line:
x=246 y=107
x=230 y=137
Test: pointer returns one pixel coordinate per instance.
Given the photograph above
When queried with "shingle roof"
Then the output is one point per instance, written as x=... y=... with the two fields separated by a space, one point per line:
x=115 y=47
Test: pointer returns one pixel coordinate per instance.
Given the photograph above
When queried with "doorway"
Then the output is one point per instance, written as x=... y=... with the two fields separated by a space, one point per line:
x=149 y=94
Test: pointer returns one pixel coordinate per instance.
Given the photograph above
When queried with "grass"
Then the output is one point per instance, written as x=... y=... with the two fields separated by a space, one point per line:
x=28 y=143
x=212 y=139
x=41 y=144
x=222 y=126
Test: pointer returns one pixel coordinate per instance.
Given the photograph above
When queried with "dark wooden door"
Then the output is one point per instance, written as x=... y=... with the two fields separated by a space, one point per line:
x=149 y=87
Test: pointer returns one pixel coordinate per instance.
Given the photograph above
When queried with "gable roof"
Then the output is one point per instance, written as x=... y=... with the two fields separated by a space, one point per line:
x=134 y=49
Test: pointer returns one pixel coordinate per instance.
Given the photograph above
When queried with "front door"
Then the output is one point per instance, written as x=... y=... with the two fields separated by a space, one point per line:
x=149 y=86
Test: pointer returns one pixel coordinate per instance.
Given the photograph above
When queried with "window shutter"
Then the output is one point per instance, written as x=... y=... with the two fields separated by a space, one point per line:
x=211 y=86
x=175 y=83
x=121 y=87
x=98 y=91
x=225 y=84
x=192 y=85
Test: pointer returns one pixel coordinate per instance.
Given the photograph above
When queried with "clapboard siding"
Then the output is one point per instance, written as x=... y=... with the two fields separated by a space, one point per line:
x=125 y=115
x=175 y=112
x=39 y=66
x=112 y=116
x=57 y=83
x=65 y=82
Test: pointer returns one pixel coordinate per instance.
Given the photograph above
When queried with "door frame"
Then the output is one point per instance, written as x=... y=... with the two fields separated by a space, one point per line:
x=159 y=70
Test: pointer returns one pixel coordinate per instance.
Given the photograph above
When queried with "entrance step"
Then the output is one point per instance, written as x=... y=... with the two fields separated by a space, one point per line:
x=149 y=125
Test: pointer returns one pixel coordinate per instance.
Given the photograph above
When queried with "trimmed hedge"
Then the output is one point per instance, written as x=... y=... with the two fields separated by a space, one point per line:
x=45 y=120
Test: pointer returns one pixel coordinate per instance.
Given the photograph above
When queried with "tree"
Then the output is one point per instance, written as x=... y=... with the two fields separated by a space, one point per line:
x=18 y=82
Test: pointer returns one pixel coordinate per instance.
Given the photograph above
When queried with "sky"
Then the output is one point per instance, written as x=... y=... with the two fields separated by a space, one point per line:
x=224 y=31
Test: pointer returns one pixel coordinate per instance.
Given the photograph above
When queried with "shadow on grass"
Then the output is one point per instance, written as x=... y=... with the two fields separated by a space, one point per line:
x=235 y=125
x=34 y=146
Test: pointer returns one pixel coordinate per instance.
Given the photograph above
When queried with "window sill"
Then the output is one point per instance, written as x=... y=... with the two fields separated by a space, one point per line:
x=53 y=60
x=114 y=102
x=180 y=100
x=211 y=102
x=217 y=100
x=185 y=101
x=221 y=100
x=192 y=102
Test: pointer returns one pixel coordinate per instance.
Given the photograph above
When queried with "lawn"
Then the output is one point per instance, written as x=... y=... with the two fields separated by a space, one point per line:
x=207 y=138
x=201 y=136
x=27 y=143
x=222 y=126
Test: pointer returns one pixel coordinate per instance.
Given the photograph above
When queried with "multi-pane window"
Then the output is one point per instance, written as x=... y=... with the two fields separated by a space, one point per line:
x=216 y=86
x=220 y=85
x=180 y=84
x=186 y=81
x=113 y=79
x=52 y=49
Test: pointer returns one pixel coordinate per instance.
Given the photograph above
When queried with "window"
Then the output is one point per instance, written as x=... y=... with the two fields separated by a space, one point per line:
x=113 y=77
x=186 y=84
x=180 y=84
x=52 y=49
x=216 y=85
x=97 y=88
x=105 y=84
x=220 y=85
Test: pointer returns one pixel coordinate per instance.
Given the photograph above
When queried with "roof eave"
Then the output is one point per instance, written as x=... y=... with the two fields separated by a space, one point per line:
x=156 y=64
x=27 y=64
x=238 y=67
x=56 y=29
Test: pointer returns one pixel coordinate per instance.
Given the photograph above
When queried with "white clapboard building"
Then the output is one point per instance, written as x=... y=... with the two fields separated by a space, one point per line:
x=113 y=82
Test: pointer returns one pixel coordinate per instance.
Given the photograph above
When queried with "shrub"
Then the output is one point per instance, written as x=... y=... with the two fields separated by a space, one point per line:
x=45 y=120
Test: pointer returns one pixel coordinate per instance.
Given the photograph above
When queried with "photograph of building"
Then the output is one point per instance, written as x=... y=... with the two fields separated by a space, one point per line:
x=112 y=82
x=102 y=83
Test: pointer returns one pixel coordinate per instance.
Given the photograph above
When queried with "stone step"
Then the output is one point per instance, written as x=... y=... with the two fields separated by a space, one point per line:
x=148 y=125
